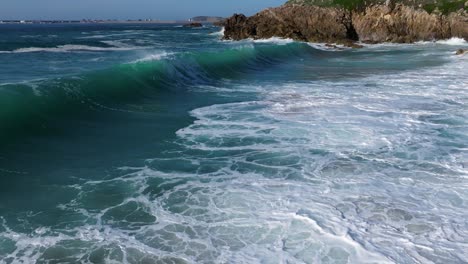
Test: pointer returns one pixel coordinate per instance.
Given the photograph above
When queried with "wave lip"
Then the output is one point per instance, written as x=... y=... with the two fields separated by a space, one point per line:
x=453 y=41
x=219 y=33
x=328 y=47
x=72 y=48
x=275 y=40
x=154 y=57
x=30 y=104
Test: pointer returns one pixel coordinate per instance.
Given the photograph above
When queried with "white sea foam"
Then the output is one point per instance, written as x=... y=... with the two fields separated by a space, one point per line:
x=154 y=56
x=352 y=204
x=31 y=36
x=360 y=170
x=118 y=43
x=97 y=36
x=328 y=47
x=219 y=33
x=72 y=48
x=453 y=42
x=275 y=40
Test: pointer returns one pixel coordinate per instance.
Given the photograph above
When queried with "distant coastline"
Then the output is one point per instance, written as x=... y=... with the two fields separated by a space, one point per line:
x=98 y=21
x=200 y=19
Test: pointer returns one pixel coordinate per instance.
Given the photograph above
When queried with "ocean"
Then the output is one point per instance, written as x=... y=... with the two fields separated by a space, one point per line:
x=126 y=143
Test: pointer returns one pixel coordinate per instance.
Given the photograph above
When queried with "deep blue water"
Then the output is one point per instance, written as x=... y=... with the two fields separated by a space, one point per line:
x=163 y=144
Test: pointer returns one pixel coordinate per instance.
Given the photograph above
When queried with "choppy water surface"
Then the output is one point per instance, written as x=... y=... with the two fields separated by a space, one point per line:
x=162 y=144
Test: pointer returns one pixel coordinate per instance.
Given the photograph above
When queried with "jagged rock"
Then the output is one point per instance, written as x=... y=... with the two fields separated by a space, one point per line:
x=390 y=4
x=461 y=52
x=237 y=27
x=377 y=23
x=305 y=23
x=194 y=24
x=403 y=24
x=459 y=24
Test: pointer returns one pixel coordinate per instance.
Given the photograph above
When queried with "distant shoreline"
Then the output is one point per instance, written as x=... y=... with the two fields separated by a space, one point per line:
x=43 y=22
x=198 y=19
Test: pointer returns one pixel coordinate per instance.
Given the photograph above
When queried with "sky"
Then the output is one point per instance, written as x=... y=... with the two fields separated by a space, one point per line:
x=128 y=9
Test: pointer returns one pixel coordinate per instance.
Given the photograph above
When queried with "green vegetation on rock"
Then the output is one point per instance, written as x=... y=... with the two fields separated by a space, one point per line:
x=350 y=4
x=442 y=6
x=446 y=6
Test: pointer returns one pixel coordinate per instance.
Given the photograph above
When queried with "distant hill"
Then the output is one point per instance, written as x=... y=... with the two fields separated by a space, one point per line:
x=207 y=19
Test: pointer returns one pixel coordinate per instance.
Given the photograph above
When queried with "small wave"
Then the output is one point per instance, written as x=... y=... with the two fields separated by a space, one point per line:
x=154 y=57
x=453 y=42
x=219 y=33
x=118 y=43
x=389 y=44
x=95 y=37
x=31 y=36
x=71 y=48
x=328 y=47
x=275 y=40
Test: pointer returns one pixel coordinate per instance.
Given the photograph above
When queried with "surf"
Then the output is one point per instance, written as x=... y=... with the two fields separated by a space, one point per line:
x=27 y=106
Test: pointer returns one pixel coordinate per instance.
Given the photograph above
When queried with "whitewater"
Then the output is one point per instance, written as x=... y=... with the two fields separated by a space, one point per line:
x=164 y=144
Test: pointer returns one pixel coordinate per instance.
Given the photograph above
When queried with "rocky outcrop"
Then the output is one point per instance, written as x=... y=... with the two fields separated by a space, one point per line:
x=458 y=22
x=305 y=23
x=405 y=24
x=194 y=24
x=377 y=23
x=461 y=52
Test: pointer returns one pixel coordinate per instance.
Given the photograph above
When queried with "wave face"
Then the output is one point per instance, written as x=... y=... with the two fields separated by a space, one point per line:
x=196 y=150
x=28 y=106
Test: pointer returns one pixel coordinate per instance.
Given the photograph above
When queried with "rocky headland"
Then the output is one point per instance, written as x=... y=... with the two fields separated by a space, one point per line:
x=349 y=21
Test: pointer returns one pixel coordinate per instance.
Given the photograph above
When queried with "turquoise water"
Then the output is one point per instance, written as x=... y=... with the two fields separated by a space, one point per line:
x=164 y=144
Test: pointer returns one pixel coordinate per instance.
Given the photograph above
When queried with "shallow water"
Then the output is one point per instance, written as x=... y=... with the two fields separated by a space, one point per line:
x=144 y=144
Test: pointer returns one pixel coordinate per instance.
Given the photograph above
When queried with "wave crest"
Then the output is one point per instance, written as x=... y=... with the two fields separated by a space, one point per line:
x=71 y=48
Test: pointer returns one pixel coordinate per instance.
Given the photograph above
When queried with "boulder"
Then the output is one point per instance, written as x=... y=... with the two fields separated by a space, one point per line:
x=461 y=52
x=194 y=24
x=304 y=23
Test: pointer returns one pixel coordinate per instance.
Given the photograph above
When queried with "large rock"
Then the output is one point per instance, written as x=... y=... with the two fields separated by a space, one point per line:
x=403 y=24
x=194 y=24
x=459 y=24
x=305 y=23
x=377 y=23
x=461 y=52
